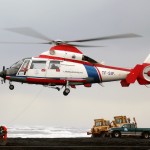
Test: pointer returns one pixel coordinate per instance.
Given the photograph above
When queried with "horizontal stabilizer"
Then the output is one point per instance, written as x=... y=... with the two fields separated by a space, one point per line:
x=132 y=76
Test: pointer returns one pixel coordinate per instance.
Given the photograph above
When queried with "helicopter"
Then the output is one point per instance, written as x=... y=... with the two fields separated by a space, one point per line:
x=65 y=66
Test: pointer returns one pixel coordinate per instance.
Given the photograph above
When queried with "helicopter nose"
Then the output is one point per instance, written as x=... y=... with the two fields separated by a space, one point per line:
x=3 y=73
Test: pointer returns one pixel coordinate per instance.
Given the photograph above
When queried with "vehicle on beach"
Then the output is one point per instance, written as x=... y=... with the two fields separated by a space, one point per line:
x=101 y=126
x=129 y=129
x=119 y=121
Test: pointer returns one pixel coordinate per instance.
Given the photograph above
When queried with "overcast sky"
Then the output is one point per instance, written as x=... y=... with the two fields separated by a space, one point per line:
x=32 y=105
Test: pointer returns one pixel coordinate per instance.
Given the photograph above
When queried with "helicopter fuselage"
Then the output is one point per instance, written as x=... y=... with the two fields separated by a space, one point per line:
x=58 y=72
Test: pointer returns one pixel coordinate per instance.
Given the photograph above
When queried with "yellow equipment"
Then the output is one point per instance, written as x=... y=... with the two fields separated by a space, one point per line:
x=119 y=120
x=100 y=128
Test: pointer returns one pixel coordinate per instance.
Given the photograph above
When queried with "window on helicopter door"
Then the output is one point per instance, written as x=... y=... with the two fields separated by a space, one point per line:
x=38 y=65
x=54 y=65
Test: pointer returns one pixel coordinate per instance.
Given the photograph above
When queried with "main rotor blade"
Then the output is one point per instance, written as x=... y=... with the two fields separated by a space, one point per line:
x=78 y=45
x=25 y=43
x=118 y=36
x=29 y=32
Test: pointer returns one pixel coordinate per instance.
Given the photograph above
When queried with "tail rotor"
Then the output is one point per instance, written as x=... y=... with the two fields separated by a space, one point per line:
x=146 y=73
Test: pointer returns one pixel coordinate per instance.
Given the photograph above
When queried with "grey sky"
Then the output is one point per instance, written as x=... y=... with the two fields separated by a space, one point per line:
x=69 y=20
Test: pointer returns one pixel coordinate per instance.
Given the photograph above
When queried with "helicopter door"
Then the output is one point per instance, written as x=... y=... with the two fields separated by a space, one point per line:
x=37 y=68
x=24 y=68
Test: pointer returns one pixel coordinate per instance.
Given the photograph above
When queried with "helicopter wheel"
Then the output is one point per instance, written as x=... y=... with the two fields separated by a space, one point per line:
x=66 y=91
x=11 y=87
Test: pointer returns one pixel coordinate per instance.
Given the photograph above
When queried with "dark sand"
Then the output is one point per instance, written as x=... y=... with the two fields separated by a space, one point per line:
x=76 y=143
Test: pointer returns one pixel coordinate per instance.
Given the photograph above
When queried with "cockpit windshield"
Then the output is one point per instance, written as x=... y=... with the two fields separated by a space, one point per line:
x=18 y=64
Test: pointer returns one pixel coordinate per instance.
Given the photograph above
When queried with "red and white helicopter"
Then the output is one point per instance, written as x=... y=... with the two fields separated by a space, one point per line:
x=66 y=66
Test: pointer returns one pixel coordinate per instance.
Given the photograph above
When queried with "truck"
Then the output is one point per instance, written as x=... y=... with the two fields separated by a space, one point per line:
x=101 y=126
x=129 y=129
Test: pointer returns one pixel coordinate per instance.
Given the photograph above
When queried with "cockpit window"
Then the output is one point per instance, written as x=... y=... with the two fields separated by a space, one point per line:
x=86 y=58
x=17 y=65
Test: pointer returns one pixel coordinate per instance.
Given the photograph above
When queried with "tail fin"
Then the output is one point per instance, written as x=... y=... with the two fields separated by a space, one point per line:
x=147 y=60
x=141 y=73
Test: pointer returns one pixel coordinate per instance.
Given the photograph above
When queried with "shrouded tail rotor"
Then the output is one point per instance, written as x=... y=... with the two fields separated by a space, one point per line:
x=146 y=73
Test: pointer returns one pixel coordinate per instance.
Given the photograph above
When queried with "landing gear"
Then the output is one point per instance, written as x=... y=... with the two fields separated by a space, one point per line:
x=11 y=87
x=67 y=89
x=65 y=92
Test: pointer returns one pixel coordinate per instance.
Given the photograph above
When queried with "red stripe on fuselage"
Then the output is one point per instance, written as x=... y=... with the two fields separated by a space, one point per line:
x=37 y=80
x=45 y=81
x=111 y=67
x=66 y=59
x=7 y=77
x=53 y=81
